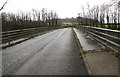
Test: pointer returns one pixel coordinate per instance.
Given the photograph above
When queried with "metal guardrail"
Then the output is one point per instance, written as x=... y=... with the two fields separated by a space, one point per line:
x=110 y=38
x=9 y=36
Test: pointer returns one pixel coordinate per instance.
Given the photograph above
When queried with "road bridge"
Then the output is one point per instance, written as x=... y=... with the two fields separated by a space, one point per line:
x=57 y=53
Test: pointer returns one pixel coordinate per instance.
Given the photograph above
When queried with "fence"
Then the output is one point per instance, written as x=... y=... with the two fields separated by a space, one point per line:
x=110 y=38
x=9 y=36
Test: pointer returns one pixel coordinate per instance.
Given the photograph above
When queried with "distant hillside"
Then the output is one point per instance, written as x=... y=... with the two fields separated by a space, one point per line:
x=68 y=20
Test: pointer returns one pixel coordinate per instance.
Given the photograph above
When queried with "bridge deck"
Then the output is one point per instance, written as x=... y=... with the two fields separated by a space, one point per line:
x=99 y=60
x=56 y=53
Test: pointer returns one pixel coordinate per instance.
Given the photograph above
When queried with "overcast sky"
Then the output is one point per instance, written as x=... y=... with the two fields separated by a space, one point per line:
x=64 y=8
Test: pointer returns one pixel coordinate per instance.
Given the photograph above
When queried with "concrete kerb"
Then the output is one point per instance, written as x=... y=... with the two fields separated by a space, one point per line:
x=82 y=52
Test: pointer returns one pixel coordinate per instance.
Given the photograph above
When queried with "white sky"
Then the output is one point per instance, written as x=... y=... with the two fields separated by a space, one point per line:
x=64 y=8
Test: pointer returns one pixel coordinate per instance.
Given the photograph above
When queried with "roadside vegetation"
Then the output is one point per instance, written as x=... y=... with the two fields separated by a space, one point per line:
x=68 y=22
x=32 y=19
x=106 y=15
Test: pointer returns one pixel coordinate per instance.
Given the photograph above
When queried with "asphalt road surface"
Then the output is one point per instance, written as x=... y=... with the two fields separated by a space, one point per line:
x=54 y=53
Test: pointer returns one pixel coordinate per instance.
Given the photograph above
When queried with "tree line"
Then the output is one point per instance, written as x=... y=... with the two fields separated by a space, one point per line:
x=106 y=15
x=34 y=18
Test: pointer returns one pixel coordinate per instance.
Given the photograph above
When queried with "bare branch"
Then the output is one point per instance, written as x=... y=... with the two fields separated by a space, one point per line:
x=3 y=5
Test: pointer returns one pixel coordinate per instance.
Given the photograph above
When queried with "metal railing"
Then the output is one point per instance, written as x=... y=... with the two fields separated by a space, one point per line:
x=9 y=36
x=110 y=38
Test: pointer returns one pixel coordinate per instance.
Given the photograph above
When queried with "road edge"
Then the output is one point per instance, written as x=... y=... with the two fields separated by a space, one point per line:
x=81 y=51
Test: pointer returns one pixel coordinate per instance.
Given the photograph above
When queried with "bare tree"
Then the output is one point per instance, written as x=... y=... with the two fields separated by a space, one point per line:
x=35 y=18
x=43 y=16
x=102 y=14
x=49 y=19
x=51 y=16
x=89 y=14
x=115 y=18
x=96 y=13
x=119 y=14
x=56 y=19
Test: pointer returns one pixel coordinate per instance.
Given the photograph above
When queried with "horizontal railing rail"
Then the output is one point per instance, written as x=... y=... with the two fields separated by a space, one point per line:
x=110 y=38
x=9 y=36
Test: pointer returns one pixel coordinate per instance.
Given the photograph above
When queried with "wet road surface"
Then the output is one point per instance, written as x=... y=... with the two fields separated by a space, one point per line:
x=54 y=53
